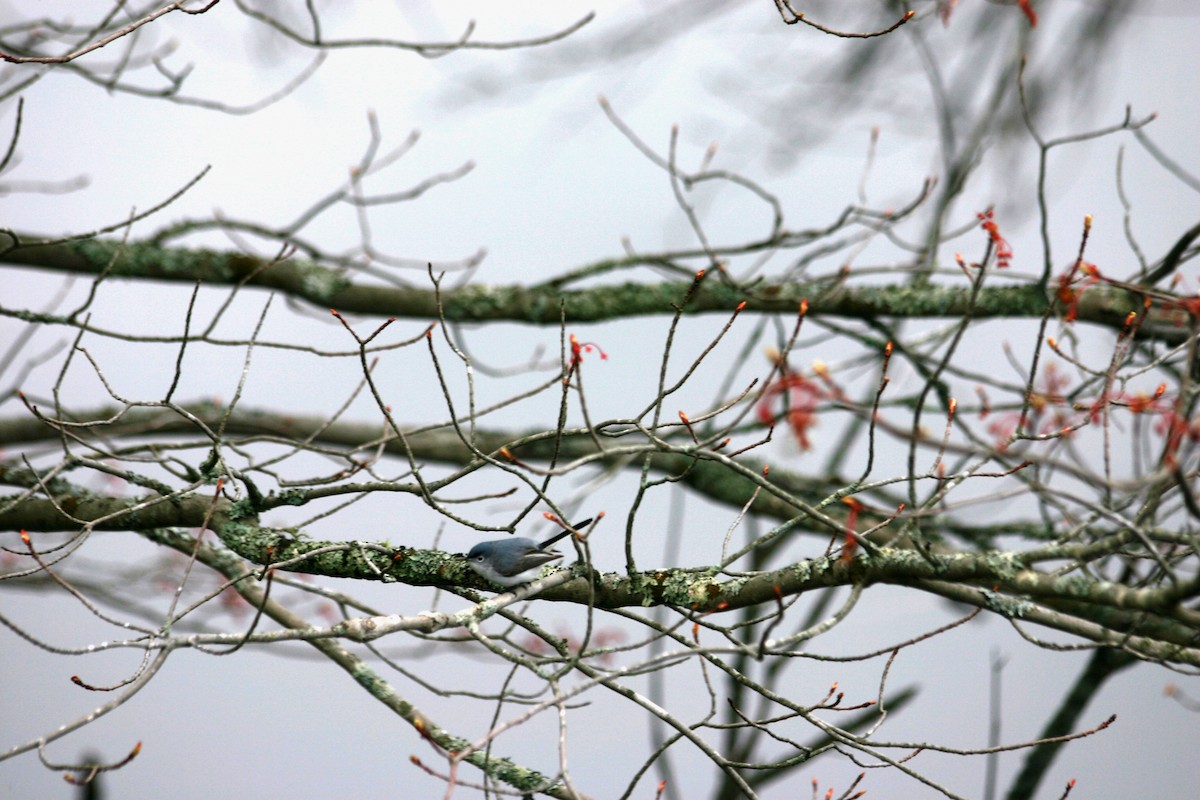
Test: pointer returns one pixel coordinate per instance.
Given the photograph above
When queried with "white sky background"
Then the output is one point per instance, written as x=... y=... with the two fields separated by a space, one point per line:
x=555 y=186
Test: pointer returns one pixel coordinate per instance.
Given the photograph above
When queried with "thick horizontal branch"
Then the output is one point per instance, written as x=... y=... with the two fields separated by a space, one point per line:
x=329 y=288
x=72 y=509
x=994 y=580
x=442 y=445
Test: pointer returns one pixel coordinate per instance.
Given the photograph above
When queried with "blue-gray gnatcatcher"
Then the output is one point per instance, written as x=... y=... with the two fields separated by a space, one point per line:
x=516 y=560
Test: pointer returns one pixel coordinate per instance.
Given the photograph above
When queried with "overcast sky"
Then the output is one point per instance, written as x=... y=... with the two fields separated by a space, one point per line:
x=554 y=185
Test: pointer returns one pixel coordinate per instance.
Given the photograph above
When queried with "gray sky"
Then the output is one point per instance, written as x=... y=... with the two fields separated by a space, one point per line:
x=554 y=186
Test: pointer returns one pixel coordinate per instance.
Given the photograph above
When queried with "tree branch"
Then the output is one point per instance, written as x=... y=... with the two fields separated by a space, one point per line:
x=329 y=288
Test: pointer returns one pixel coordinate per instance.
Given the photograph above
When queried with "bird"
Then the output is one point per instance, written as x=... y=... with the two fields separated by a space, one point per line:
x=516 y=560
